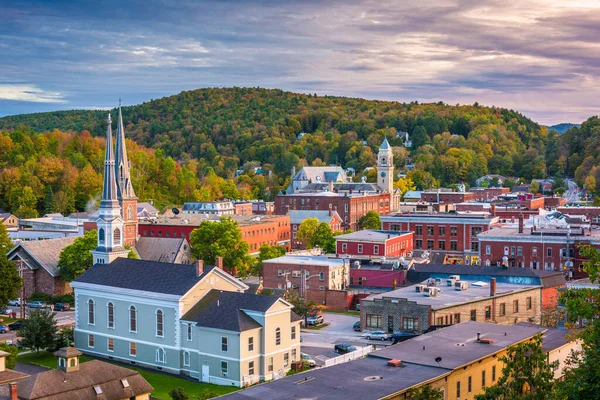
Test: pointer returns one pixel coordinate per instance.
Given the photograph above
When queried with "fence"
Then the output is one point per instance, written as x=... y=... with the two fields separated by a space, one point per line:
x=358 y=353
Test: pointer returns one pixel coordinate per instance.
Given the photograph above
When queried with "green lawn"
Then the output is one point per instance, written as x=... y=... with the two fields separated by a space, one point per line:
x=7 y=320
x=161 y=382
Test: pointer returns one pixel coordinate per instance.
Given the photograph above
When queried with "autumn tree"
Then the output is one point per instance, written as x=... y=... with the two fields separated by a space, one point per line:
x=306 y=232
x=425 y=392
x=404 y=185
x=221 y=238
x=5 y=242
x=266 y=252
x=370 y=220
x=527 y=374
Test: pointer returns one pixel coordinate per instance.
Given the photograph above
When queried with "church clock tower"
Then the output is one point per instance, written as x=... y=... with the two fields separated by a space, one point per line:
x=385 y=167
x=125 y=194
x=109 y=222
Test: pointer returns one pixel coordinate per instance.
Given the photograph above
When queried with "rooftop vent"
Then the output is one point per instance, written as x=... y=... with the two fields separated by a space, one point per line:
x=420 y=288
x=373 y=378
x=431 y=291
x=394 y=363
x=455 y=277
x=461 y=285
x=486 y=341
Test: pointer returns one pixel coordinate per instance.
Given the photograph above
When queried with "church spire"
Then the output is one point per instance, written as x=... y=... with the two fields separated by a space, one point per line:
x=124 y=186
x=109 y=188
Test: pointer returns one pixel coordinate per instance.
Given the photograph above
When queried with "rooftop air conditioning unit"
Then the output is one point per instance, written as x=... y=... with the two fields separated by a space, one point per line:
x=431 y=291
x=438 y=281
x=455 y=277
x=461 y=285
x=450 y=281
x=420 y=288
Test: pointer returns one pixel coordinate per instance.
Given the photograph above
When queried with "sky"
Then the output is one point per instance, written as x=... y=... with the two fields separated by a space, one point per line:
x=539 y=57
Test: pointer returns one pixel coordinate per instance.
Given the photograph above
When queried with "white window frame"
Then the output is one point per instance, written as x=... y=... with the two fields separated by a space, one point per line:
x=160 y=351
x=108 y=341
x=92 y=340
x=189 y=332
x=278 y=336
x=162 y=323
x=376 y=249
x=344 y=247
x=91 y=303
x=226 y=343
x=224 y=373
x=251 y=343
x=135 y=315
x=488 y=250
x=132 y=345
x=108 y=318
x=360 y=248
x=186 y=358
x=251 y=369
x=286 y=359
x=293 y=333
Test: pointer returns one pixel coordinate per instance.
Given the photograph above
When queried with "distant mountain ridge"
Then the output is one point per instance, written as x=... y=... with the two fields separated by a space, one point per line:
x=562 y=128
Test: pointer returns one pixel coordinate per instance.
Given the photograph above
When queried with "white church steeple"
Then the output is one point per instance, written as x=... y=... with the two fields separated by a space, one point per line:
x=385 y=167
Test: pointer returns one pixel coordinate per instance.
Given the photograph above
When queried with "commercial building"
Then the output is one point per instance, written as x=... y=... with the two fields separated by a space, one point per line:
x=452 y=232
x=443 y=196
x=592 y=214
x=223 y=207
x=375 y=244
x=460 y=360
x=488 y=193
x=374 y=277
x=548 y=242
x=440 y=301
x=194 y=320
x=330 y=217
x=256 y=230
x=317 y=278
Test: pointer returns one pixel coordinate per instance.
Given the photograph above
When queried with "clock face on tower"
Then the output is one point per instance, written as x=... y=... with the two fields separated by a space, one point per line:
x=383 y=174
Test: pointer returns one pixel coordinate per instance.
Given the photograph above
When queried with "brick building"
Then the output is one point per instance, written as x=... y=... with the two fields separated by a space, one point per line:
x=454 y=233
x=263 y=207
x=440 y=196
x=37 y=264
x=537 y=245
x=375 y=244
x=376 y=277
x=256 y=230
x=488 y=193
x=317 y=278
x=350 y=205
x=330 y=217
x=242 y=208
x=221 y=207
x=417 y=307
x=591 y=213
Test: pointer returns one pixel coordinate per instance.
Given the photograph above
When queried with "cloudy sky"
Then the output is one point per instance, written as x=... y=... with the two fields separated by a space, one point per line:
x=541 y=57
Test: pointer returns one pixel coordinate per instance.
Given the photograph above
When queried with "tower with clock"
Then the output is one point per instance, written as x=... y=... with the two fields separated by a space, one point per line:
x=385 y=167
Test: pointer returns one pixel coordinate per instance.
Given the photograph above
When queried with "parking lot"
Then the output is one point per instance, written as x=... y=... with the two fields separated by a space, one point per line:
x=319 y=343
x=63 y=319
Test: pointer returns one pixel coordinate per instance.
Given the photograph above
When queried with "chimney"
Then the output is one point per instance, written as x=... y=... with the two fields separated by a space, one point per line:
x=219 y=262
x=199 y=267
x=492 y=287
x=330 y=210
x=493 y=210
x=13 y=391
x=521 y=223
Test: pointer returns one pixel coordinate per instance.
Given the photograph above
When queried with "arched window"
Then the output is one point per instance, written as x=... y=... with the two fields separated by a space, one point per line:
x=117 y=236
x=161 y=357
x=132 y=319
x=278 y=336
x=101 y=235
x=186 y=358
x=130 y=213
x=111 y=314
x=159 y=323
x=91 y=312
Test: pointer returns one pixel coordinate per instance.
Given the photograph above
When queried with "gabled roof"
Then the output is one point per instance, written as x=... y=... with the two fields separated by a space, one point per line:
x=150 y=276
x=297 y=216
x=147 y=206
x=41 y=253
x=385 y=145
x=225 y=310
x=159 y=248
x=323 y=174
x=80 y=384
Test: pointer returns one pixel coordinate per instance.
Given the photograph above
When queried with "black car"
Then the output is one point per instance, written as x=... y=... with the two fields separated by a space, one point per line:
x=344 y=348
x=15 y=326
x=402 y=336
x=62 y=307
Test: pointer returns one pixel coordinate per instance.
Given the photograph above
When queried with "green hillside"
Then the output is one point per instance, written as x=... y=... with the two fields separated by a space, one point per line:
x=226 y=128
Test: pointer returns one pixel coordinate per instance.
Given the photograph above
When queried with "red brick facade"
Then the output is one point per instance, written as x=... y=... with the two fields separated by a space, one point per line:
x=447 y=197
x=393 y=246
x=350 y=207
x=591 y=213
x=242 y=208
x=489 y=193
x=40 y=281
x=130 y=221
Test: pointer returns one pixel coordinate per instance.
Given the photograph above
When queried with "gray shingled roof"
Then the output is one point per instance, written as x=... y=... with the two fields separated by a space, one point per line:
x=297 y=216
x=42 y=253
x=151 y=276
x=158 y=248
x=228 y=307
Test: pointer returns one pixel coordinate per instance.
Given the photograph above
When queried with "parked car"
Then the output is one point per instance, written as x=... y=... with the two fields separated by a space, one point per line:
x=6 y=311
x=402 y=336
x=37 y=304
x=377 y=335
x=307 y=358
x=62 y=307
x=356 y=326
x=357 y=307
x=14 y=303
x=15 y=326
x=315 y=320
x=343 y=348
x=3 y=329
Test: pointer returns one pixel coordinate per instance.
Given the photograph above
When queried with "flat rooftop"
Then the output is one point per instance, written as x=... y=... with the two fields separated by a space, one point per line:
x=552 y=338
x=434 y=214
x=321 y=261
x=451 y=297
x=540 y=234
x=371 y=235
x=457 y=345
x=196 y=219
x=350 y=380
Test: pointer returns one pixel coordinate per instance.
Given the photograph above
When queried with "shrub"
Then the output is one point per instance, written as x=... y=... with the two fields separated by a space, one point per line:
x=65 y=298
x=40 y=296
x=11 y=360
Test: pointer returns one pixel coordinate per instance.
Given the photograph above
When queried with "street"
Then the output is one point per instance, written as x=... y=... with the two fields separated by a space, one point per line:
x=573 y=194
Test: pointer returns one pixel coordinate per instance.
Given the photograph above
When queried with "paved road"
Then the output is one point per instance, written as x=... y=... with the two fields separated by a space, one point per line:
x=63 y=318
x=339 y=331
x=573 y=194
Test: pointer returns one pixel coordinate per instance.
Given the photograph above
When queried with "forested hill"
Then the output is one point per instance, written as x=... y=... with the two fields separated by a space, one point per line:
x=226 y=128
x=562 y=128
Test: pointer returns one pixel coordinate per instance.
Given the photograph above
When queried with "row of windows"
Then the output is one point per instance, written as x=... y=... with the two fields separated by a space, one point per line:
x=455 y=318
x=441 y=245
x=470 y=382
x=110 y=317
x=296 y=274
x=406 y=324
x=518 y=250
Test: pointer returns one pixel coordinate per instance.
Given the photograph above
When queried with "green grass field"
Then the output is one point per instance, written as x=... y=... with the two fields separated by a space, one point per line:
x=161 y=382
